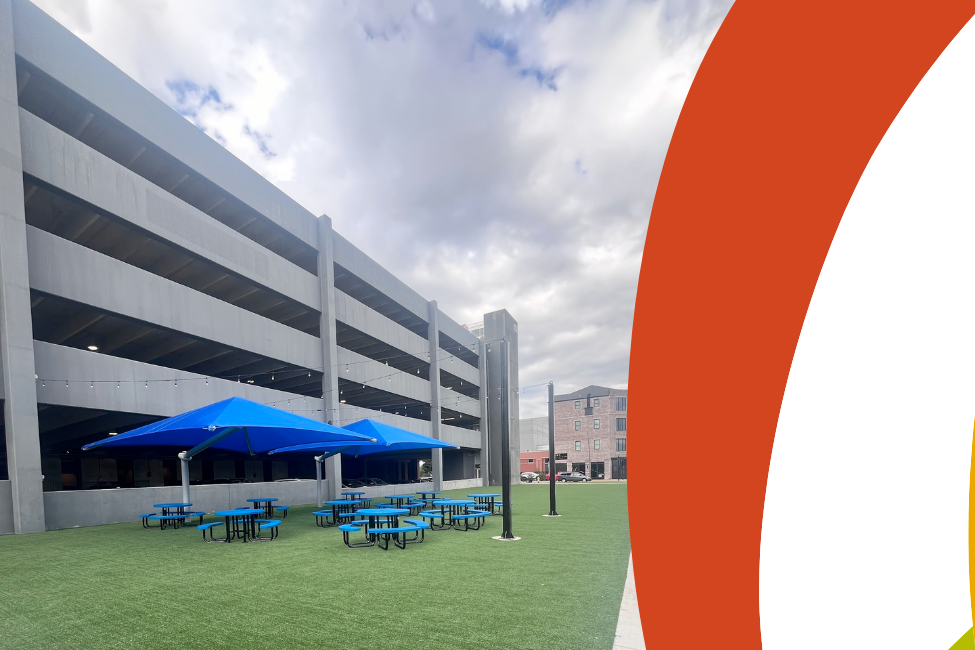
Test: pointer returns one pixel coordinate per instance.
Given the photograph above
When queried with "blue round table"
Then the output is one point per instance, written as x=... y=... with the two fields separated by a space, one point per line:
x=268 y=508
x=180 y=508
x=486 y=500
x=453 y=507
x=240 y=523
x=376 y=516
x=339 y=506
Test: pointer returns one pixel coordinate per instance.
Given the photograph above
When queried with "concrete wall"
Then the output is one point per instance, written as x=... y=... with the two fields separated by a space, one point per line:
x=376 y=374
x=458 y=368
x=6 y=509
x=130 y=395
x=54 y=157
x=95 y=507
x=353 y=313
x=371 y=272
x=464 y=484
x=62 y=268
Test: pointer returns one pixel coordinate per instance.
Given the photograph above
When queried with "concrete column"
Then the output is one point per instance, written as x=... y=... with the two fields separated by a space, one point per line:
x=433 y=336
x=16 y=332
x=485 y=440
x=330 y=378
x=498 y=326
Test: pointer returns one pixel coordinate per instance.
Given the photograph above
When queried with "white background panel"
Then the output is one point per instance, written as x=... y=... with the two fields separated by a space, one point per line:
x=864 y=537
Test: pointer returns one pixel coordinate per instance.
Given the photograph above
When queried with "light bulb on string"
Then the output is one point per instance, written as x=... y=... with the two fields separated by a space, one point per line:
x=92 y=384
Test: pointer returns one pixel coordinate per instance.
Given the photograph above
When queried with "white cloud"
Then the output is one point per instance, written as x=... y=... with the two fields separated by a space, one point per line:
x=494 y=155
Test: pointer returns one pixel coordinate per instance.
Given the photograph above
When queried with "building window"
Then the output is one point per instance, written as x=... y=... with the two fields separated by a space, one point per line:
x=578 y=425
x=578 y=404
x=595 y=424
x=620 y=403
x=529 y=460
x=595 y=443
x=621 y=444
x=621 y=424
x=578 y=445
x=595 y=402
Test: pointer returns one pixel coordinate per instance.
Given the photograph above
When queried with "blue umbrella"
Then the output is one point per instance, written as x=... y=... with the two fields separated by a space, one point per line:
x=387 y=438
x=235 y=424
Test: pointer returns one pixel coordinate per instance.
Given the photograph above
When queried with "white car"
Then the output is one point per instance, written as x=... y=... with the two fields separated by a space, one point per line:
x=530 y=477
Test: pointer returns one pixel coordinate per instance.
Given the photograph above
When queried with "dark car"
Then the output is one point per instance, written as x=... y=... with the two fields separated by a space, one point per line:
x=572 y=476
x=353 y=483
x=374 y=481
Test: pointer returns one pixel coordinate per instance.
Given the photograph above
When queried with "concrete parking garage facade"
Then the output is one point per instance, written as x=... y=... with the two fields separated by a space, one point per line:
x=145 y=271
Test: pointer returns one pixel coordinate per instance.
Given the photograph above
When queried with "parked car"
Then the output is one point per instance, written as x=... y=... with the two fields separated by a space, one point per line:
x=353 y=483
x=374 y=481
x=572 y=476
x=529 y=477
x=426 y=479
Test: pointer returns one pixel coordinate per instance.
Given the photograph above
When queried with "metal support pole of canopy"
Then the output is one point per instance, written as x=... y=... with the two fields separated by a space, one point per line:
x=185 y=467
x=318 y=478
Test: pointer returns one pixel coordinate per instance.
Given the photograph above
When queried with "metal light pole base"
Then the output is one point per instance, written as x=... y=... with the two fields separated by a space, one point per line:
x=506 y=539
x=552 y=515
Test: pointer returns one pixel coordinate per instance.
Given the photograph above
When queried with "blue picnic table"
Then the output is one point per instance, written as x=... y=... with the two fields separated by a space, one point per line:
x=240 y=523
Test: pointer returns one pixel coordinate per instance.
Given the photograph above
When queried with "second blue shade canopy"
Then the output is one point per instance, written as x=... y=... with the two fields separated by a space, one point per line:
x=388 y=438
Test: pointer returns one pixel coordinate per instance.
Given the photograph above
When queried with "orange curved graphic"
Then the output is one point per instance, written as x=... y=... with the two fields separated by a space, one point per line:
x=783 y=116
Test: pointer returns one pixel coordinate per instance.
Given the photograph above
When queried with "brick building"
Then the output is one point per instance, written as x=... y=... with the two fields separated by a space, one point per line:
x=590 y=432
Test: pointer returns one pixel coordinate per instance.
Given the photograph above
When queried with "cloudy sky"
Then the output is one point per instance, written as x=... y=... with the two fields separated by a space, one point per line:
x=500 y=154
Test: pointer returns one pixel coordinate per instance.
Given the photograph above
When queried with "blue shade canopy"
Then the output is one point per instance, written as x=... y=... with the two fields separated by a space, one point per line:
x=388 y=438
x=235 y=424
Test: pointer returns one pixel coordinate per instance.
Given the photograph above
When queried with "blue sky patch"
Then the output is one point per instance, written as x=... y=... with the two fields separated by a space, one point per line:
x=508 y=48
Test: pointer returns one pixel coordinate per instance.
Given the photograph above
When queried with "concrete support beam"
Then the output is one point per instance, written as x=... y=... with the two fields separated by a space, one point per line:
x=456 y=332
x=433 y=336
x=370 y=271
x=353 y=313
x=329 y=354
x=450 y=399
x=64 y=269
x=53 y=157
x=16 y=342
x=83 y=379
x=458 y=368
x=375 y=374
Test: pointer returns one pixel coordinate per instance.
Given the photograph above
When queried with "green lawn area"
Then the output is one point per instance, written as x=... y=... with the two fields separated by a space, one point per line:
x=121 y=586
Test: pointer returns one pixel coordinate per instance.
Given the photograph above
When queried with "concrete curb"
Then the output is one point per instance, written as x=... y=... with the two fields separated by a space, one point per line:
x=629 y=631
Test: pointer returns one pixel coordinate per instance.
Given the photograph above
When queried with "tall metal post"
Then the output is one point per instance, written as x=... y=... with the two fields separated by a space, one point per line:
x=551 y=450
x=505 y=448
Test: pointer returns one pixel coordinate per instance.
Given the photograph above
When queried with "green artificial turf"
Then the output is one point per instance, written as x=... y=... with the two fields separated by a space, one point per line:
x=121 y=586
